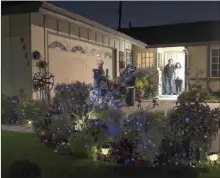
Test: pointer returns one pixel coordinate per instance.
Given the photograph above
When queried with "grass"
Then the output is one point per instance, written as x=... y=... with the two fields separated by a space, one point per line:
x=16 y=146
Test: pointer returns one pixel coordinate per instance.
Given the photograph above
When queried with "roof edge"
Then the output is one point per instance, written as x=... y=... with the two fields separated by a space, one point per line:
x=171 y=25
x=183 y=44
x=71 y=15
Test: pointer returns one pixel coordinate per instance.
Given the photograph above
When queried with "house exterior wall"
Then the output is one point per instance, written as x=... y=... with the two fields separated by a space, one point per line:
x=16 y=63
x=199 y=59
x=42 y=24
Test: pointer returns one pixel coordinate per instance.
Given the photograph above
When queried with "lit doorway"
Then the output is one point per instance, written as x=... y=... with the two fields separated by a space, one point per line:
x=177 y=54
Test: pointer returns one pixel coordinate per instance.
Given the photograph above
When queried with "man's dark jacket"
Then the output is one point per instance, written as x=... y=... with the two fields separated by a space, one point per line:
x=168 y=70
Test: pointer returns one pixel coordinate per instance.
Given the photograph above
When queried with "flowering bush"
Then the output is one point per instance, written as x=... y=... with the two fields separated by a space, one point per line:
x=133 y=139
x=71 y=98
x=21 y=109
x=191 y=127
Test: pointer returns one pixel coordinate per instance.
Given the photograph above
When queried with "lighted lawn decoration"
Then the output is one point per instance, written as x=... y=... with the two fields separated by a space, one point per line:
x=42 y=80
x=106 y=93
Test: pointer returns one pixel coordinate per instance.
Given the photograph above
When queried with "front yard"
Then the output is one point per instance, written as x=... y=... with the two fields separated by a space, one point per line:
x=16 y=146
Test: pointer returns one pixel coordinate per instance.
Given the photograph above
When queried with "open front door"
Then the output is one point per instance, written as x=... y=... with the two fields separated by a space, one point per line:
x=164 y=54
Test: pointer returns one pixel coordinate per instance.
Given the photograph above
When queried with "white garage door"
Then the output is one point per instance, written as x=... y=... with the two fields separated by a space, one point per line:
x=73 y=60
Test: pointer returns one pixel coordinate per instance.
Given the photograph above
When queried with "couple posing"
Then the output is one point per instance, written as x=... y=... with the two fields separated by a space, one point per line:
x=171 y=71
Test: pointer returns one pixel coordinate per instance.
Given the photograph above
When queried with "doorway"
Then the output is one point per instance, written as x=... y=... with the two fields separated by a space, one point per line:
x=177 y=54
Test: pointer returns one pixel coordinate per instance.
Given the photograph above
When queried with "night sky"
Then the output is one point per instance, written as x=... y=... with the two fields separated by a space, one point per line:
x=145 y=13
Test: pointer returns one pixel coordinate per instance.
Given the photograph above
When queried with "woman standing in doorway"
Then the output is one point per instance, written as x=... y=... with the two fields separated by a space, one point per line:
x=178 y=76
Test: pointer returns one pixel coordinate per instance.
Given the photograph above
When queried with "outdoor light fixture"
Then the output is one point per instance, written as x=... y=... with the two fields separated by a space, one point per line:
x=213 y=157
x=105 y=151
x=29 y=122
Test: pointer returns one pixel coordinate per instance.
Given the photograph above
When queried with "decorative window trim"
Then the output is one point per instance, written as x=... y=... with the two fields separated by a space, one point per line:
x=95 y=52
x=58 y=45
x=107 y=55
x=216 y=47
x=78 y=49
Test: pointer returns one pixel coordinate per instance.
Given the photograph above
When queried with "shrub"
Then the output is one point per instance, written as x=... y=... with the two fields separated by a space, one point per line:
x=133 y=139
x=141 y=84
x=8 y=110
x=191 y=127
x=20 y=109
x=28 y=109
x=71 y=98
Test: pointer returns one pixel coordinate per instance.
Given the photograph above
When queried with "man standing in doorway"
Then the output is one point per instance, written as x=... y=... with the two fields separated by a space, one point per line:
x=168 y=75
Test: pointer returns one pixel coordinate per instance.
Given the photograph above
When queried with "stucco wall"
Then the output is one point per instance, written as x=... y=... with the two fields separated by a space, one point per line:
x=16 y=63
x=199 y=60
x=198 y=56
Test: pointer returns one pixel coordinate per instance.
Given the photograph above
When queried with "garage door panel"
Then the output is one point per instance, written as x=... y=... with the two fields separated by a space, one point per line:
x=108 y=65
x=90 y=65
x=59 y=65
x=78 y=72
x=77 y=60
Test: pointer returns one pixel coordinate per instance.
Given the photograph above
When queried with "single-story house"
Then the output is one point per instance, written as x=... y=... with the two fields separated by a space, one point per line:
x=70 y=43
x=195 y=45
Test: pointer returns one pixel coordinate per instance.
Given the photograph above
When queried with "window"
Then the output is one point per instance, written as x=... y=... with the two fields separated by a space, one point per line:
x=107 y=55
x=94 y=52
x=57 y=45
x=215 y=62
x=78 y=49
x=128 y=57
x=145 y=60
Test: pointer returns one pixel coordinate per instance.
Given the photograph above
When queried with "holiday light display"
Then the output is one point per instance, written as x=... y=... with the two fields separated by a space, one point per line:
x=92 y=116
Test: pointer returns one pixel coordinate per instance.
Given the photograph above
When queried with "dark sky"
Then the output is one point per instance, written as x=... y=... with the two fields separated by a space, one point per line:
x=145 y=13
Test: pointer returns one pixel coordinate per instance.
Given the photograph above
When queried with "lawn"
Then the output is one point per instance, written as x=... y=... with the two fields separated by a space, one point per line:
x=17 y=146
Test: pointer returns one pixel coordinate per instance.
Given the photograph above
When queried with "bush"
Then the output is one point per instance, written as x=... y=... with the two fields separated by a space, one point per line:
x=71 y=98
x=133 y=139
x=24 y=169
x=20 y=109
x=196 y=94
x=191 y=127
x=8 y=110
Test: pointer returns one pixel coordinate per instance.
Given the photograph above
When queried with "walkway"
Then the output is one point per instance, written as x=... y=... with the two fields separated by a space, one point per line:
x=162 y=106
x=17 y=128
